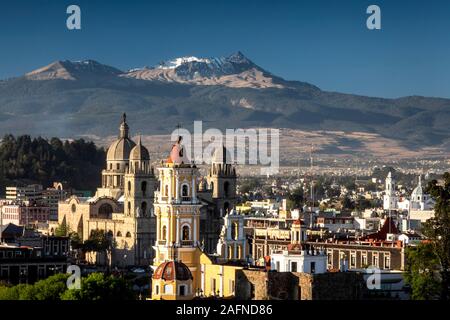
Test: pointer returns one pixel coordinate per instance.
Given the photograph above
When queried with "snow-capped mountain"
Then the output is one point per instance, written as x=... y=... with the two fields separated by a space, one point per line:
x=235 y=71
x=69 y=98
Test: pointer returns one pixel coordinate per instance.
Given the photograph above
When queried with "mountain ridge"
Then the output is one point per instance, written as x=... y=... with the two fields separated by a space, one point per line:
x=73 y=98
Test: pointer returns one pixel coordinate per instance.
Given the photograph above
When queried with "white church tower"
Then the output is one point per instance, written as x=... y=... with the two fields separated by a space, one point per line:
x=390 y=199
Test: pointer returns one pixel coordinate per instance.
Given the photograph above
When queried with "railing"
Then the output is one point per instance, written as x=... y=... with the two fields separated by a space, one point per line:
x=162 y=242
x=186 y=242
x=185 y=198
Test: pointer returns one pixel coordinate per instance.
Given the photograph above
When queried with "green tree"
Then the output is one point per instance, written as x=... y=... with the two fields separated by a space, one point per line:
x=98 y=286
x=421 y=272
x=437 y=230
x=297 y=197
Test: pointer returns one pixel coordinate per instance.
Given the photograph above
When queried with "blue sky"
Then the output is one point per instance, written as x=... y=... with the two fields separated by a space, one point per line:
x=322 y=42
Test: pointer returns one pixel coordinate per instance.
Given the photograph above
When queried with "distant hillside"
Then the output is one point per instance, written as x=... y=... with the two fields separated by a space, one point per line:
x=70 y=99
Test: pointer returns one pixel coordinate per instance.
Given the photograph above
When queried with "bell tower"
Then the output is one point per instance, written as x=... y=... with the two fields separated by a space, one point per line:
x=222 y=181
x=138 y=203
x=177 y=211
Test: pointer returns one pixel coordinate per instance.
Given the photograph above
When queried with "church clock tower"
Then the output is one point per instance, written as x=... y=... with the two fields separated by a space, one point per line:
x=177 y=211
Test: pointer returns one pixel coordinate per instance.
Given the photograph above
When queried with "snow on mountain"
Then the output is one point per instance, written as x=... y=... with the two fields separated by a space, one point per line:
x=234 y=71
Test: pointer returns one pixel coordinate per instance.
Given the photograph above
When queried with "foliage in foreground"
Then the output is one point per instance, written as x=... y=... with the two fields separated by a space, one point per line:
x=96 y=286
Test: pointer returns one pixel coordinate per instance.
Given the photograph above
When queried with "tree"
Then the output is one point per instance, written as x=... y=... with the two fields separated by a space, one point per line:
x=98 y=286
x=62 y=230
x=421 y=270
x=296 y=196
x=437 y=230
x=48 y=289
x=100 y=242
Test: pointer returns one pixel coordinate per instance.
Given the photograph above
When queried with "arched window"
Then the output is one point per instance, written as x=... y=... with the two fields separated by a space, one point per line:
x=129 y=208
x=105 y=210
x=186 y=233
x=118 y=166
x=129 y=186
x=226 y=207
x=185 y=190
x=164 y=233
x=166 y=191
x=144 y=208
x=235 y=231
x=119 y=234
x=226 y=189
x=230 y=252
x=144 y=188
x=128 y=235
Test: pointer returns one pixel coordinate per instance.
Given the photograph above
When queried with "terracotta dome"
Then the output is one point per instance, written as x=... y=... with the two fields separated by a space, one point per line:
x=121 y=148
x=139 y=152
x=172 y=270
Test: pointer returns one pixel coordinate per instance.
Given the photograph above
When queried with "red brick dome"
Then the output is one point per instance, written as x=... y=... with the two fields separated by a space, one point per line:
x=172 y=270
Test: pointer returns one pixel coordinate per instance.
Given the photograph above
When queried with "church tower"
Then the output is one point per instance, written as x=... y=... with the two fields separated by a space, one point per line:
x=117 y=159
x=232 y=243
x=222 y=181
x=138 y=203
x=177 y=211
x=390 y=199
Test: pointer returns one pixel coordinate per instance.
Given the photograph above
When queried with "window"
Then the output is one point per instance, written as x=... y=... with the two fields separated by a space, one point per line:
x=119 y=234
x=186 y=233
x=226 y=189
x=128 y=235
x=168 y=289
x=166 y=191
x=129 y=208
x=144 y=208
x=185 y=190
x=182 y=290
x=329 y=258
x=375 y=260
x=364 y=263
x=235 y=231
x=164 y=233
x=313 y=267
x=144 y=188
x=353 y=260
x=293 y=266
x=129 y=186
x=118 y=166
x=387 y=261
x=105 y=210
x=231 y=285
x=157 y=289
x=277 y=266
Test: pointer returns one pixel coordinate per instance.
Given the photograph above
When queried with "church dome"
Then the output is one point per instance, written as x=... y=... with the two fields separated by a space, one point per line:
x=121 y=148
x=172 y=270
x=139 y=152
x=221 y=155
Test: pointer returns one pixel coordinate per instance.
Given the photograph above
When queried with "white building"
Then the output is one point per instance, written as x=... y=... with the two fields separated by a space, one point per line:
x=390 y=199
x=299 y=258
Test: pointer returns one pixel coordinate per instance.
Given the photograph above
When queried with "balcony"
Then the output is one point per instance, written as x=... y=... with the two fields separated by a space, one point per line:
x=186 y=243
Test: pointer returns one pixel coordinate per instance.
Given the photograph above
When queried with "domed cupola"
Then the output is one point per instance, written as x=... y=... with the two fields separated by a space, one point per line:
x=139 y=152
x=121 y=148
x=172 y=270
